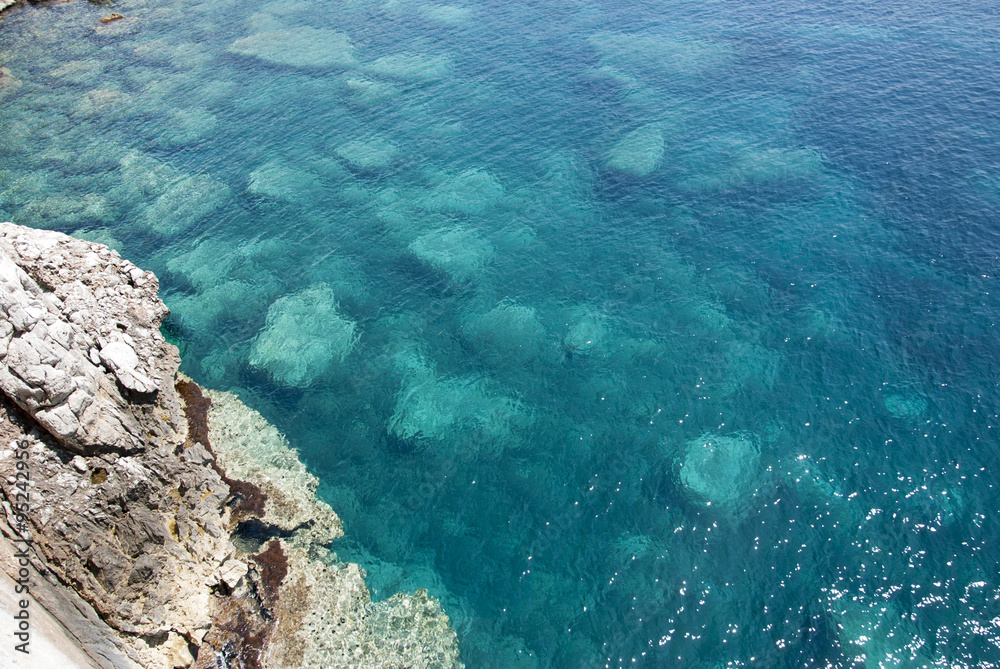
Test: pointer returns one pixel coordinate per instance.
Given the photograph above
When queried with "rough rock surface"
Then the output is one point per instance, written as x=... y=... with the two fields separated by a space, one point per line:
x=251 y=449
x=132 y=513
x=322 y=610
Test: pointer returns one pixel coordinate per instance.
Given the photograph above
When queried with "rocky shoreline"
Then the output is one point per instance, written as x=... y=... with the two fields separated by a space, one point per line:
x=163 y=526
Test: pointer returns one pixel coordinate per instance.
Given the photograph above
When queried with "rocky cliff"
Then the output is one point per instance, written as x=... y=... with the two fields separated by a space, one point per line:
x=165 y=526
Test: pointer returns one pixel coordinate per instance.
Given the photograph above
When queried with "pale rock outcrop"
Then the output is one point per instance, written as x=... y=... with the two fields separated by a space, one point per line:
x=56 y=345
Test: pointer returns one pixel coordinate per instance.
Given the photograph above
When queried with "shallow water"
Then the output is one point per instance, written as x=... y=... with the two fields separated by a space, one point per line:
x=641 y=334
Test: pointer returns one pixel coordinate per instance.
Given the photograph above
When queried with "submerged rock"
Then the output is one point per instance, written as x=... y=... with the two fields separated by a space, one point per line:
x=446 y=410
x=588 y=332
x=187 y=126
x=509 y=331
x=184 y=203
x=81 y=72
x=302 y=47
x=875 y=632
x=458 y=252
x=473 y=192
x=412 y=67
x=658 y=55
x=283 y=182
x=732 y=161
x=65 y=210
x=639 y=152
x=369 y=154
x=8 y=82
x=238 y=301
x=909 y=407
x=723 y=471
x=108 y=102
x=368 y=93
x=445 y=14
x=305 y=334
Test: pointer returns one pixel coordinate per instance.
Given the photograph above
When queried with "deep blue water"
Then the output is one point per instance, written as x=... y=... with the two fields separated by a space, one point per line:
x=641 y=334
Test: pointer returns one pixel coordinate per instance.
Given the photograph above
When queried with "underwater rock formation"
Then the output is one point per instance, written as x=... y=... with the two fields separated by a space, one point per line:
x=588 y=333
x=412 y=67
x=723 y=472
x=657 y=55
x=639 y=152
x=304 y=336
x=369 y=154
x=184 y=203
x=368 y=93
x=458 y=252
x=302 y=47
x=282 y=182
x=908 y=407
x=433 y=408
x=445 y=14
x=135 y=503
x=507 y=332
x=8 y=82
x=471 y=193
x=733 y=161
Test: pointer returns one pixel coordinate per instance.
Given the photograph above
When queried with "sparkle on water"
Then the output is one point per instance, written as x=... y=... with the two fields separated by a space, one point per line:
x=642 y=334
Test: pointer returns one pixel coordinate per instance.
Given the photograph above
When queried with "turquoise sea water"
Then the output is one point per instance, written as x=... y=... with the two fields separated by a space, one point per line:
x=649 y=334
